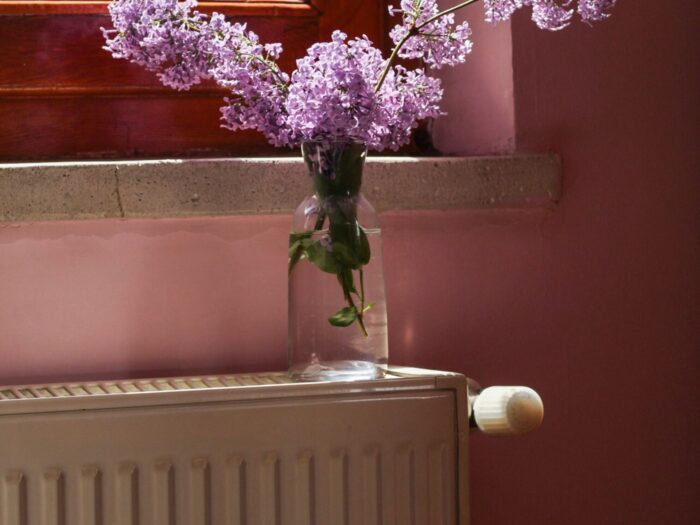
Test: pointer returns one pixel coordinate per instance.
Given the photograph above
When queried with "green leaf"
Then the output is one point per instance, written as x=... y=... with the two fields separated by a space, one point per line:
x=342 y=232
x=322 y=258
x=343 y=317
x=299 y=236
x=296 y=251
x=367 y=307
x=345 y=255
x=347 y=281
x=350 y=244
x=363 y=251
x=299 y=242
x=294 y=260
x=295 y=246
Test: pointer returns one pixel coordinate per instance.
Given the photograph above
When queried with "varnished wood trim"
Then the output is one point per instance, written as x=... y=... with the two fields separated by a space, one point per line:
x=108 y=91
x=288 y=8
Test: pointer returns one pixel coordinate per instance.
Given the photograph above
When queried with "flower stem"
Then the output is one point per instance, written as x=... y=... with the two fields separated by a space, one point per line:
x=415 y=30
x=445 y=12
x=361 y=312
x=362 y=290
x=392 y=59
x=351 y=303
x=320 y=220
x=271 y=66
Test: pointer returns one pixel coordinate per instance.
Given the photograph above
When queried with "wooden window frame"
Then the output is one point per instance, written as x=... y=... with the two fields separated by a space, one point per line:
x=63 y=97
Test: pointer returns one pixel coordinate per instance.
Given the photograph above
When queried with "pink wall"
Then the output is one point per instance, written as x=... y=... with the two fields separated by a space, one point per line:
x=595 y=303
x=126 y=298
x=479 y=95
x=605 y=323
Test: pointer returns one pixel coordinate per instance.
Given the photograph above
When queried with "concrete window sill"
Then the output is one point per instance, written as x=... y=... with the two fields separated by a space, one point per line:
x=180 y=188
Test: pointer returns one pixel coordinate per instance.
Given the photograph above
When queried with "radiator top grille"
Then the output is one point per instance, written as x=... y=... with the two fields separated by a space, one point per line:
x=68 y=396
x=102 y=388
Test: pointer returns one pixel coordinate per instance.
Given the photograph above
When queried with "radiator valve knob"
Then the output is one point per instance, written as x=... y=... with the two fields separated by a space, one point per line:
x=507 y=410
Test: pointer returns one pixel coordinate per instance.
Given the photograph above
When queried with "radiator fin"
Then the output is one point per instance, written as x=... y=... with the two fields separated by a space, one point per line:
x=235 y=491
x=200 y=512
x=405 y=485
x=437 y=483
x=52 y=501
x=163 y=499
x=371 y=486
x=304 y=489
x=338 y=487
x=90 y=496
x=127 y=497
x=14 y=499
x=269 y=502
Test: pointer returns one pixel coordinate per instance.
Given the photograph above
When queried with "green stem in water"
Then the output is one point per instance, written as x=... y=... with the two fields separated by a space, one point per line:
x=320 y=220
x=351 y=304
x=362 y=290
x=413 y=31
x=361 y=311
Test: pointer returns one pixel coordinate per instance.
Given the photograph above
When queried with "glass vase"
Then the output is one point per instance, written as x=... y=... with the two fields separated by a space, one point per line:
x=337 y=303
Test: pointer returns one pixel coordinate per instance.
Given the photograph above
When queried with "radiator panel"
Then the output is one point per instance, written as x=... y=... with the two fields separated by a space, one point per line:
x=354 y=458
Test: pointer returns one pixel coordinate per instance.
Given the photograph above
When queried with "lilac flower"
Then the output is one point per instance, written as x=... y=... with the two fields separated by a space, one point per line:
x=407 y=97
x=501 y=10
x=438 y=43
x=595 y=10
x=548 y=14
x=331 y=95
x=163 y=36
x=341 y=91
x=185 y=47
x=552 y=15
x=250 y=71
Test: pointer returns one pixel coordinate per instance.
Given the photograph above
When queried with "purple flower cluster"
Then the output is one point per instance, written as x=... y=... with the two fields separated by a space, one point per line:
x=406 y=98
x=595 y=10
x=185 y=47
x=333 y=96
x=548 y=14
x=501 y=10
x=249 y=70
x=438 y=43
x=163 y=36
x=552 y=15
x=341 y=91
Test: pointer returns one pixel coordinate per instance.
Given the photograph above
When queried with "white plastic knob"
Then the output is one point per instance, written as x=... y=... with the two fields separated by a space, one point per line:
x=505 y=410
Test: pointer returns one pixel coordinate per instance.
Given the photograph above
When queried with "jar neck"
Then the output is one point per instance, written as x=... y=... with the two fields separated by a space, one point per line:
x=335 y=167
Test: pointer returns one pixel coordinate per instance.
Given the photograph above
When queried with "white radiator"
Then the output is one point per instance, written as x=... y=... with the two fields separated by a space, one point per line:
x=241 y=450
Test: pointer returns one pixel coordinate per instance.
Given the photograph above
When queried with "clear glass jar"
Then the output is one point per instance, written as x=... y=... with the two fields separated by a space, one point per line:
x=337 y=303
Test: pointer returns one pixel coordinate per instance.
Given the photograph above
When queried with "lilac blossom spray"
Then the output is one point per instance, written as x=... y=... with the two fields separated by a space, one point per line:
x=343 y=99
